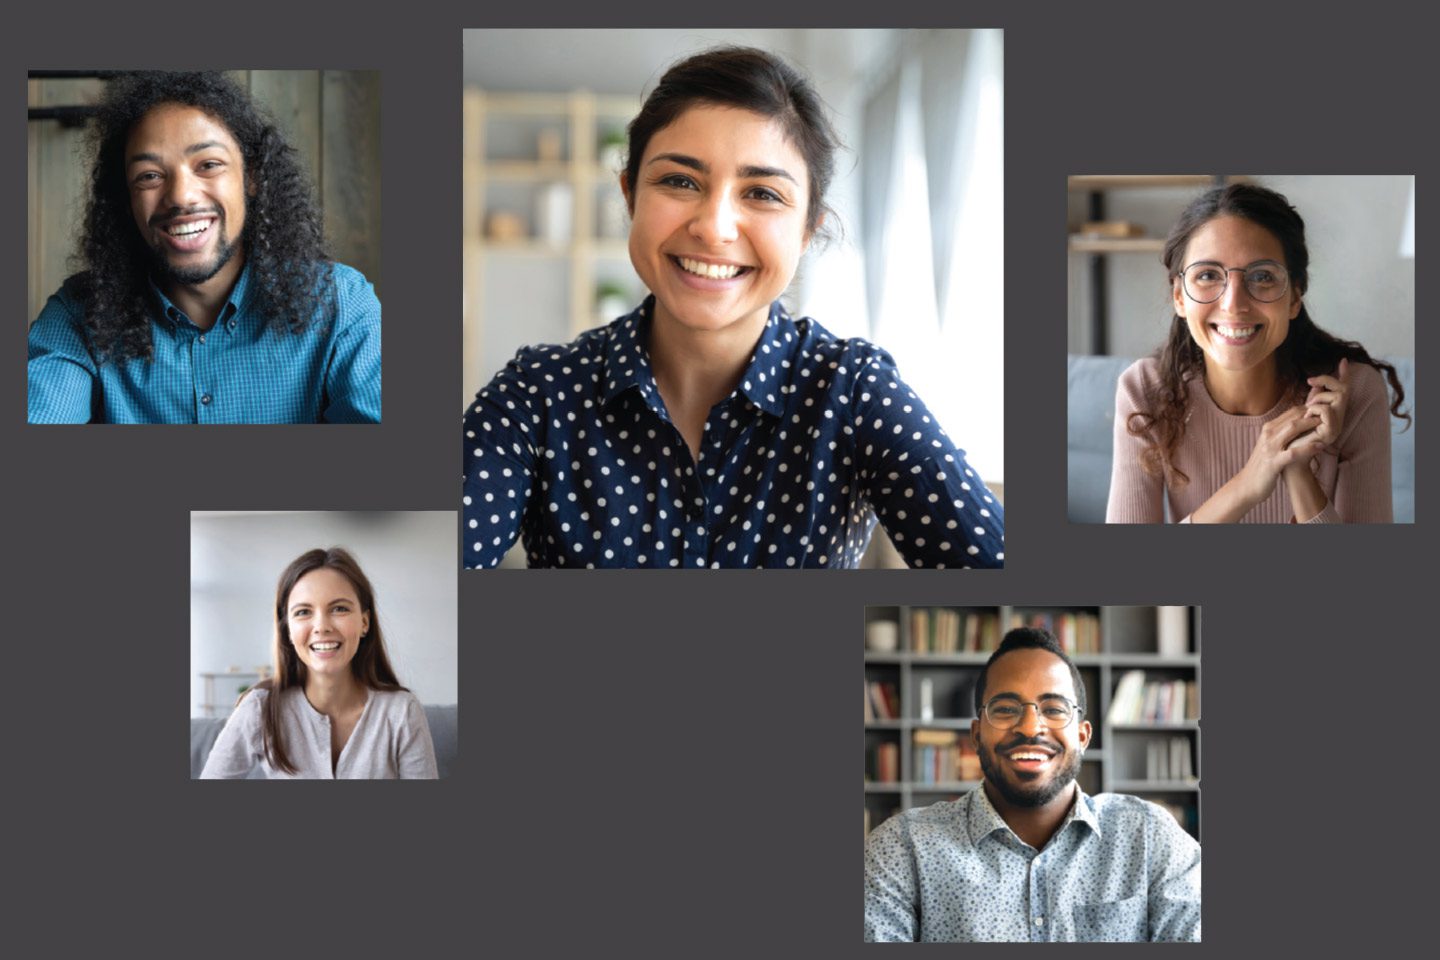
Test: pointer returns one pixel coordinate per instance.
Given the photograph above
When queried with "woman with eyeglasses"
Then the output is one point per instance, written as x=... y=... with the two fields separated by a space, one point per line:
x=1249 y=412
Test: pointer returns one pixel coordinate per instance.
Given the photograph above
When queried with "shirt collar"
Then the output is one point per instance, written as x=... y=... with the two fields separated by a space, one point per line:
x=627 y=359
x=238 y=300
x=983 y=819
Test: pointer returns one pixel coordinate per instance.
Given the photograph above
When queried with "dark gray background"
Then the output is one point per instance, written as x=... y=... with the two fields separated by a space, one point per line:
x=667 y=761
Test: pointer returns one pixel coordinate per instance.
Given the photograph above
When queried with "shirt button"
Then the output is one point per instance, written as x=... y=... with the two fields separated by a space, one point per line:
x=205 y=398
x=1039 y=921
x=202 y=338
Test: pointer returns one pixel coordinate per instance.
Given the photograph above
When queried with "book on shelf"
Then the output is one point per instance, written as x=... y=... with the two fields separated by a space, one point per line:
x=885 y=762
x=882 y=701
x=1078 y=631
x=944 y=756
x=1172 y=631
x=1139 y=701
x=943 y=630
x=1170 y=758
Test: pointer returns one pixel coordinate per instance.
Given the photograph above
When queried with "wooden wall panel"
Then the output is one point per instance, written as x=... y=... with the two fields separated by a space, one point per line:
x=60 y=191
x=350 y=168
x=293 y=96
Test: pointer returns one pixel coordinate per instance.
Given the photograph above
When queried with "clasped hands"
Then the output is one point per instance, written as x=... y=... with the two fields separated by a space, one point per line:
x=1287 y=443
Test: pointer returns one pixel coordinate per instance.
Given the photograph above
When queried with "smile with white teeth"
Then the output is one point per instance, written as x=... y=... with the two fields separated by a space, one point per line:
x=713 y=271
x=189 y=229
x=1236 y=333
x=1029 y=755
x=322 y=647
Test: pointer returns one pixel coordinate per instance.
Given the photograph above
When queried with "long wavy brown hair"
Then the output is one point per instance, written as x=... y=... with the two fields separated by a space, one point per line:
x=370 y=664
x=1307 y=351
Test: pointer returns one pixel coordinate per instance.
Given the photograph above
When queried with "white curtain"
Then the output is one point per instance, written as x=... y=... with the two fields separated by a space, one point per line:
x=933 y=230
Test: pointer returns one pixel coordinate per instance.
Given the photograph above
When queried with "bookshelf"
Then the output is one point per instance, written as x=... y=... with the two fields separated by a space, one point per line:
x=1096 y=248
x=544 y=233
x=1107 y=644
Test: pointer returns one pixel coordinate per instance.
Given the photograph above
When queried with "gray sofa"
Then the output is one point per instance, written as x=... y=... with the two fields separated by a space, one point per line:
x=442 y=720
x=1091 y=434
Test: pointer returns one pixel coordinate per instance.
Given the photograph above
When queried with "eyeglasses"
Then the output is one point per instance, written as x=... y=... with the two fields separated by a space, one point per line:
x=1205 y=280
x=1005 y=712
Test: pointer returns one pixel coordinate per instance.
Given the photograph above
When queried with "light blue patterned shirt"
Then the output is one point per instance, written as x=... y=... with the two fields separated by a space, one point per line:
x=1118 y=869
x=241 y=370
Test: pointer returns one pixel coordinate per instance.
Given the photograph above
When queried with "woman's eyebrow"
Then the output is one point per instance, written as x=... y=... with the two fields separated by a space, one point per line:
x=751 y=172
x=748 y=172
x=328 y=603
x=685 y=160
x=1245 y=267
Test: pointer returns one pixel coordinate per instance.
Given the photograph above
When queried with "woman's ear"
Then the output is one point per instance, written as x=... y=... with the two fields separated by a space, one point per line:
x=810 y=234
x=1177 y=293
x=365 y=625
x=625 y=192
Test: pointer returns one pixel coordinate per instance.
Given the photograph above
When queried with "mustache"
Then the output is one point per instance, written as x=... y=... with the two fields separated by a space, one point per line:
x=1036 y=742
x=161 y=219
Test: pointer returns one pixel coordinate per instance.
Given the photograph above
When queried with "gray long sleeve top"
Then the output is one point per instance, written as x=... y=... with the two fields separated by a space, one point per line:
x=391 y=741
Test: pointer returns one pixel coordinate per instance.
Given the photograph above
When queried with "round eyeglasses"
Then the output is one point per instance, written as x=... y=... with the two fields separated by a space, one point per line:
x=1205 y=280
x=1055 y=712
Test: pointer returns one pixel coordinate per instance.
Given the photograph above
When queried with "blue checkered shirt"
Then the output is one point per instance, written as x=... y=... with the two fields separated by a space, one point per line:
x=241 y=370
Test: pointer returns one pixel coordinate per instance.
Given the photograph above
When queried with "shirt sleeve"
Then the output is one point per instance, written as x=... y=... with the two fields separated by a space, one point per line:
x=238 y=748
x=1174 y=872
x=352 y=377
x=1362 y=480
x=501 y=454
x=1135 y=496
x=63 y=378
x=936 y=509
x=890 y=887
x=415 y=751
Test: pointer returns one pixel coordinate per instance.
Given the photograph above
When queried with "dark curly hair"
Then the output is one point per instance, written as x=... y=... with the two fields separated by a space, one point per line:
x=1307 y=351
x=283 y=236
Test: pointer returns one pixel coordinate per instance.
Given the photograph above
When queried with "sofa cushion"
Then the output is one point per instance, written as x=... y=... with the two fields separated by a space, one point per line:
x=443 y=721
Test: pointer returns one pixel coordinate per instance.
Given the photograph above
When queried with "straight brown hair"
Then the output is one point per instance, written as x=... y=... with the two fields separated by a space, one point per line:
x=370 y=664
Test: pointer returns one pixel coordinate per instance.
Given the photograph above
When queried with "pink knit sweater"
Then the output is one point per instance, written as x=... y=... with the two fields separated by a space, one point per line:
x=1217 y=445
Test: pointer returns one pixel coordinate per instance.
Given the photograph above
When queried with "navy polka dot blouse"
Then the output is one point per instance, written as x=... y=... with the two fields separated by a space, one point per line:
x=571 y=447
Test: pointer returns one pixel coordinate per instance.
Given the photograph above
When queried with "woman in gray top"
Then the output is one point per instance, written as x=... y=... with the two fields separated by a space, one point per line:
x=334 y=709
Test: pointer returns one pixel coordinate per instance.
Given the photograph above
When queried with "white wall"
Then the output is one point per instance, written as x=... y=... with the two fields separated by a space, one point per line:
x=236 y=559
x=1360 y=287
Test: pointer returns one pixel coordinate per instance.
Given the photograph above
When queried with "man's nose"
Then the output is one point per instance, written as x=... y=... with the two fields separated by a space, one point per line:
x=182 y=189
x=1031 y=725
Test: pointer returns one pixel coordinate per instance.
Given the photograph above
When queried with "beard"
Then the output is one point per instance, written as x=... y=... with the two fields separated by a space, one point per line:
x=1032 y=793
x=197 y=274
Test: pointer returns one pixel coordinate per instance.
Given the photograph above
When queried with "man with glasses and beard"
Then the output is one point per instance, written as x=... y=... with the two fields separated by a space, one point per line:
x=1029 y=856
x=207 y=295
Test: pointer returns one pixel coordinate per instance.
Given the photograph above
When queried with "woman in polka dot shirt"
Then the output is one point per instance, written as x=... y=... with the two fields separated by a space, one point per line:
x=709 y=428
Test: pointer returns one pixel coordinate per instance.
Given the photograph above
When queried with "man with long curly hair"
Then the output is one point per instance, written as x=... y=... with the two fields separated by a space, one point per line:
x=207 y=295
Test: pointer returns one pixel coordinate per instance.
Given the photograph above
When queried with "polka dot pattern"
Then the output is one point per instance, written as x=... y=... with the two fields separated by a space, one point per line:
x=572 y=449
x=1118 y=869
